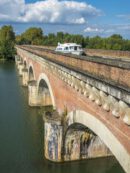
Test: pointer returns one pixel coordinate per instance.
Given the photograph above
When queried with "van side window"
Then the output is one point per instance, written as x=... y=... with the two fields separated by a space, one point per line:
x=66 y=48
x=75 y=47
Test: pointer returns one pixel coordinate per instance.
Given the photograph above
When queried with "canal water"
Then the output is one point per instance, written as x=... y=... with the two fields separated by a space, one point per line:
x=21 y=134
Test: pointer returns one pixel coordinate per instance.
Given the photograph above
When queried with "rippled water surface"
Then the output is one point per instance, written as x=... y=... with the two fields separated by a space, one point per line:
x=21 y=134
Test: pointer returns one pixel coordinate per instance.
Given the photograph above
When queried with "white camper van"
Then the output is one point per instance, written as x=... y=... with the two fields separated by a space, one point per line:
x=69 y=48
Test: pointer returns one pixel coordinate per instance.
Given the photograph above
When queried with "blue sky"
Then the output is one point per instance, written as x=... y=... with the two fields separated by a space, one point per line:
x=87 y=17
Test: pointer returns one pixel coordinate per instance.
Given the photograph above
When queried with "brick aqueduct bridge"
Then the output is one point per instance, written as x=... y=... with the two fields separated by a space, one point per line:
x=91 y=99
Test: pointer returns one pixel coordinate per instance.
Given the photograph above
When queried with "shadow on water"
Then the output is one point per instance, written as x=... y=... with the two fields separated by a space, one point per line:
x=21 y=134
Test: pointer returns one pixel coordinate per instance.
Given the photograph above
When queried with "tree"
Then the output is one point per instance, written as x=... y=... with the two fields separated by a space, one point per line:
x=33 y=35
x=114 y=42
x=7 y=42
x=126 y=45
x=96 y=42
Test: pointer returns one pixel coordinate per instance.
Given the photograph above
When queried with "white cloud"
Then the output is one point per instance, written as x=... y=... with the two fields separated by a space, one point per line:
x=108 y=30
x=11 y=9
x=47 y=11
x=124 y=16
x=124 y=27
x=77 y=21
x=118 y=27
x=94 y=30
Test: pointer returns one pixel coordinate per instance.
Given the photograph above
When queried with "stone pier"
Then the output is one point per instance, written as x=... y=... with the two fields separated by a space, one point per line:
x=53 y=137
x=20 y=68
x=25 y=77
x=32 y=93
x=73 y=143
x=17 y=60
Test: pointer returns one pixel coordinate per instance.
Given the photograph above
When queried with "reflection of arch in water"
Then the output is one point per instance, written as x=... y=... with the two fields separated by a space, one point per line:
x=99 y=128
x=44 y=91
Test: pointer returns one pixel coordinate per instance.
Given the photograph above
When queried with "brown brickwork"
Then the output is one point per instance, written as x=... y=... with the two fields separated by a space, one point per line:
x=110 y=71
x=66 y=97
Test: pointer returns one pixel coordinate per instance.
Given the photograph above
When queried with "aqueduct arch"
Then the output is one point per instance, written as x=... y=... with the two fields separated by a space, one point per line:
x=82 y=143
x=31 y=74
x=44 y=91
x=86 y=119
x=25 y=63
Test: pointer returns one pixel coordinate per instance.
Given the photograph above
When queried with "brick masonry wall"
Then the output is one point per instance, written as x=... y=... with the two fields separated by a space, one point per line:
x=111 y=71
x=108 y=53
x=100 y=52
x=66 y=97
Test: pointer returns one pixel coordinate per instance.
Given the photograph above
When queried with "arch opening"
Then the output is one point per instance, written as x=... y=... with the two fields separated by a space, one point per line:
x=105 y=134
x=44 y=95
x=25 y=64
x=81 y=143
x=31 y=74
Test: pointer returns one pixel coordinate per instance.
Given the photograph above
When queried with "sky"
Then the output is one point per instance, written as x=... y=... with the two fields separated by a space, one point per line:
x=86 y=17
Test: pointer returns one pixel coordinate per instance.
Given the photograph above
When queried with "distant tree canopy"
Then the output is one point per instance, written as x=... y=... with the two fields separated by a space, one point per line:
x=7 y=42
x=35 y=36
x=32 y=35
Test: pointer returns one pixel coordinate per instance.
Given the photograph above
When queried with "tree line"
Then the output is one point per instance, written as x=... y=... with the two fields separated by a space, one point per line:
x=7 y=43
x=35 y=36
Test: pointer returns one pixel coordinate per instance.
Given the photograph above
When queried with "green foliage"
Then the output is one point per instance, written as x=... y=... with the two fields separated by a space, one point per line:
x=7 y=42
x=36 y=37
x=32 y=35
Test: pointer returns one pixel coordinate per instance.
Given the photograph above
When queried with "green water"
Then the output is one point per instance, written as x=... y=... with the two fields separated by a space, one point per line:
x=21 y=135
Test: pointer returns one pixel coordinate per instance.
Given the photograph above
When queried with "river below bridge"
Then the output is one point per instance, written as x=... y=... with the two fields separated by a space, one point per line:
x=21 y=134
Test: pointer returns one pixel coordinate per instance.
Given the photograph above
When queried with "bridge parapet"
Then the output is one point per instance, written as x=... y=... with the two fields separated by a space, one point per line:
x=114 y=74
x=108 y=70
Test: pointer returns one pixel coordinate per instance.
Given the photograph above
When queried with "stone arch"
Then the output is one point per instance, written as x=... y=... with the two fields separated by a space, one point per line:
x=31 y=73
x=44 y=89
x=25 y=63
x=81 y=143
x=91 y=122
